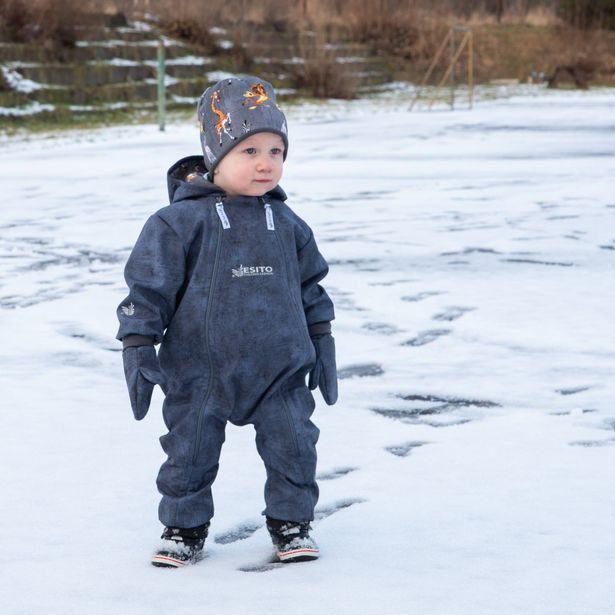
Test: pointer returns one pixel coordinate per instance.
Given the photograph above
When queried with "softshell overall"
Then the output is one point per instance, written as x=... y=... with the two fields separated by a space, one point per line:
x=228 y=286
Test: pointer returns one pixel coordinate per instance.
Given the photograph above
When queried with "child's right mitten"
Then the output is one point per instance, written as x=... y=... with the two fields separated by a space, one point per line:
x=142 y=372
x=324 y=373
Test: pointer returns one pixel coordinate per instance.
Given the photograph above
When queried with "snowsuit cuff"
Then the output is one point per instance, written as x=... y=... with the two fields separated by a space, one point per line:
x=319 y=328
x=137 y=340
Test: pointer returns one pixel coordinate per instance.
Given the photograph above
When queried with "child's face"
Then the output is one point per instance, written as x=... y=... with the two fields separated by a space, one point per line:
x=253 y=167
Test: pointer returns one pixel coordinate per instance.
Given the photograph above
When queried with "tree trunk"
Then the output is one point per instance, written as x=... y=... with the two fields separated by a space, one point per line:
x=499 y=9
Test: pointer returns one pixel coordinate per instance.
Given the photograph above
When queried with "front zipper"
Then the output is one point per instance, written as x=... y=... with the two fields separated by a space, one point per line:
x=210 y=297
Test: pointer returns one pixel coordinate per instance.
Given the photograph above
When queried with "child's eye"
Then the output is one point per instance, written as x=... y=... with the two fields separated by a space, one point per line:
x=250 y=150
x=276 y=151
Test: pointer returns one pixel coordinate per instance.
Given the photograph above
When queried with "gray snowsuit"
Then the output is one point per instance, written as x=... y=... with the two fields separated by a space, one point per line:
x=228 y=286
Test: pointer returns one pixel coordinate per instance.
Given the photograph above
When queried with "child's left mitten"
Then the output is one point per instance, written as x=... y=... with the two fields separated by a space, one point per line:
x=324 y=373
x=142 y=372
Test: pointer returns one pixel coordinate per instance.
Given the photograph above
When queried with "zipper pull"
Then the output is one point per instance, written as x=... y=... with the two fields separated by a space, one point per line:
x=269 y=217
x=222 y=215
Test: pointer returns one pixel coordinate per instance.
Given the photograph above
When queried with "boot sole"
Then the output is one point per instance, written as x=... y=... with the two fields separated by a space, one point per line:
x=161 y=560
x=298 y=555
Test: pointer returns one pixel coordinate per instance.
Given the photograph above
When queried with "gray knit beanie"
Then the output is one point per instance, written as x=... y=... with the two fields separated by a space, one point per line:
x=234 y=109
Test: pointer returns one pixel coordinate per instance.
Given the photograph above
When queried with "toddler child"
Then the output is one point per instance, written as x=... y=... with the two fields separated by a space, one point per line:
x=226 y=280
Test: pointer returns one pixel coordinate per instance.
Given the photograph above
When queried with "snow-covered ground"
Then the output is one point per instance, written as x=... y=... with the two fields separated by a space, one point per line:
x=468 y=466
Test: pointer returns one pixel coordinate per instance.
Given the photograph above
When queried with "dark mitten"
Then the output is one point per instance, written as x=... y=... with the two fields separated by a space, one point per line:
x=142 y=372
x=324 y=373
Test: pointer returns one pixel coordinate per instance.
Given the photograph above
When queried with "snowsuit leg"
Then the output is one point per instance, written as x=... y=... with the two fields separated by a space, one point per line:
x=193 y=446
x=286 y=441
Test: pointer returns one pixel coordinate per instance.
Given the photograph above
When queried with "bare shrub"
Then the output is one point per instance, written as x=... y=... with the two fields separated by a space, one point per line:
x=193 y=23
x=588 y=14
x=22 y=24
x=320 y=73
x=190 y=31
x=51 y=23
x=189 y=21
x=387 y=35
x=15 y=19
x=542 y=16
x=404 y=30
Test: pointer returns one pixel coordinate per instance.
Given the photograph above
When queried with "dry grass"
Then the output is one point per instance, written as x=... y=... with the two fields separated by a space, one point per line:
x=513 y=51
x=192 y=22
x=320 y=74
x=540 y=16
x=528 y=35
x=51 y=23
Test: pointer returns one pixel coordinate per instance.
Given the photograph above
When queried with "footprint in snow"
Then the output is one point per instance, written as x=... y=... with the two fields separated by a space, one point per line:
x=609 y=425
x=74 y=332
x=470 y=250
x=531 y=261
x=322 y=512
x=248 y=528
x=335 y=473
x=393 y=282
x=381 y=327
x=421 y=296
x=426 y=337
x=361 y=370
x=403 y=450
x=239 y=532
x=434 y=411
x=451 y=313
x=593 y=443
x=572 y=390
x=360 y=264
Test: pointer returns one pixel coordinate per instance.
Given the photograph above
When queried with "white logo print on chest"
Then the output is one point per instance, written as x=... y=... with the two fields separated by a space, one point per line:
x=242 y=271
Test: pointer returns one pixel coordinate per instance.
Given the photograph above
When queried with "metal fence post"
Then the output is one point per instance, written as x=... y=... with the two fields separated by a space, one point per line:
x=161 y=87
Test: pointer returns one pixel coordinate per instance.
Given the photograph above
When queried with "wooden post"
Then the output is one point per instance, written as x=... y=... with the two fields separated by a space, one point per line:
x=452 y=60
x=499 y=10
x=431 y=67
x=161 y=87
x=451 y=65
x=471 y=70
x=450 y=74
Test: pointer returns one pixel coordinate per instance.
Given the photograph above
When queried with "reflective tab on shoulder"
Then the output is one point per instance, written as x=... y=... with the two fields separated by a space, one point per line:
x=269 y=217
x=222 y=215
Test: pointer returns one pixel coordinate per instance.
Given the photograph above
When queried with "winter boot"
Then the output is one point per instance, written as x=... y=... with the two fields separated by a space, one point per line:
x=180 y=546
x=292 y=540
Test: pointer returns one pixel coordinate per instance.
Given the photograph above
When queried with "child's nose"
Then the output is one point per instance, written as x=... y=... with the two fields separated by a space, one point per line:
x=264 y=163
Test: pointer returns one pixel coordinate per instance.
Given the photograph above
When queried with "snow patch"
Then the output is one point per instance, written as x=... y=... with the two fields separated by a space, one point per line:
x=31 y=108
x=421 y=215
x=18 y=83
